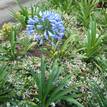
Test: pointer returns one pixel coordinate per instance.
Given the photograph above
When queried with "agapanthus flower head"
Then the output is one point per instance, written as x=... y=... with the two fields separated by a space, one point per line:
x=48 y=25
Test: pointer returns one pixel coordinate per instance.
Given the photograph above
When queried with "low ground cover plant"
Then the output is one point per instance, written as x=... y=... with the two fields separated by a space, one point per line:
x=55 y=55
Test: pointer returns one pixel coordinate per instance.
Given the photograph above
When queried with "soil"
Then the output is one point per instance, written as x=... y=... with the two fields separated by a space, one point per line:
x=35 y=52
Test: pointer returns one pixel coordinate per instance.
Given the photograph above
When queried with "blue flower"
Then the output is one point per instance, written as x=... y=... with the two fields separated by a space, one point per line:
x=31 y=21
x=52 y=35
x=36 y=19
x=30 y=27
x=39 y=27
x=41 y=42
x=46 y=35
x=37 y=37
x=48 y=25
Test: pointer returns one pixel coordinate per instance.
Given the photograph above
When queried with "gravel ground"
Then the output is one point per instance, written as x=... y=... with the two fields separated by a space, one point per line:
x=7 y=5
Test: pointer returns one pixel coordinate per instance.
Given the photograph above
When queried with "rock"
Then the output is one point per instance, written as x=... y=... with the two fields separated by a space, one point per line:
x=6 y=6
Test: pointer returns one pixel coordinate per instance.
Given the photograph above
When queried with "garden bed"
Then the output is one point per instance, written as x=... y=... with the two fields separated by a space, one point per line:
x=54 y=55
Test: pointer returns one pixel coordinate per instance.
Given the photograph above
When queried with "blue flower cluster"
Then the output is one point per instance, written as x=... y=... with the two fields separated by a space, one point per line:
x=46 y=26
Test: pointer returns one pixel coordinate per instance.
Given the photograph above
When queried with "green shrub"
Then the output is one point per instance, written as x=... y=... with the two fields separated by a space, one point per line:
x=52 y=88
x=85 y=11
x=64 y=5
x=6 y=88
x=93 y=41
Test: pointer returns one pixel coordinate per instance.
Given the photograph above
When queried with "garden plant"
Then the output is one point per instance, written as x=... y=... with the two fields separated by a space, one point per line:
x=55 y=55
